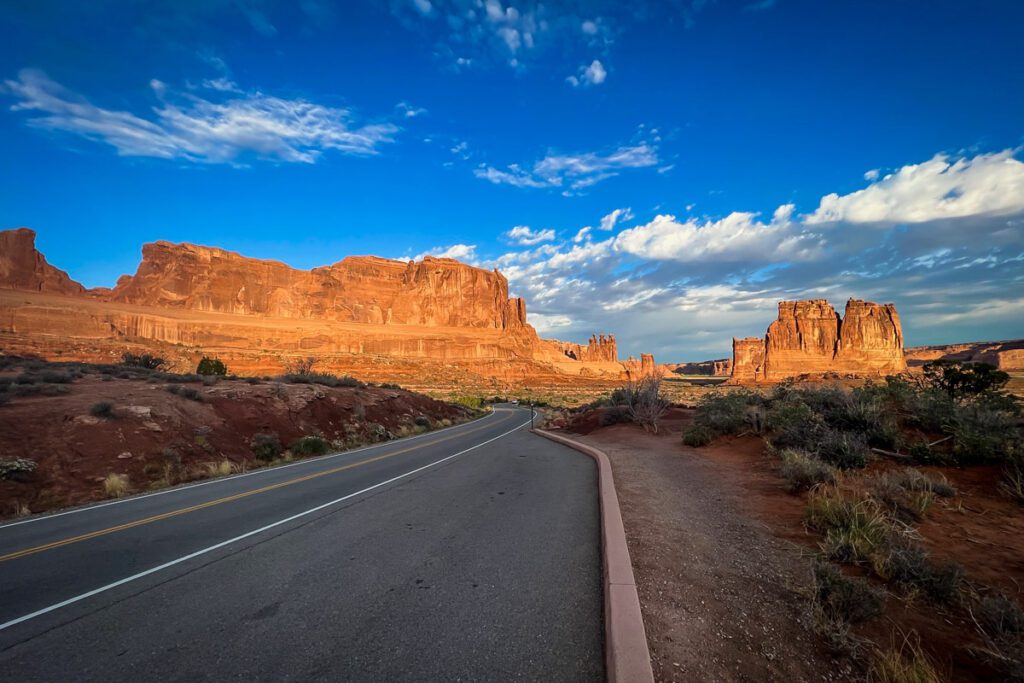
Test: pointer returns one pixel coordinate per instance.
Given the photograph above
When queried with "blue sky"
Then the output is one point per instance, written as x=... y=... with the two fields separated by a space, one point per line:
x=701 y=143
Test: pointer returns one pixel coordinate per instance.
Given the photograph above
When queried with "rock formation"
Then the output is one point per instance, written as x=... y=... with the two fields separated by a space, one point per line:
x=24 y=268
x=809 y=338
x=599 y=349
x=1005 y=355
x=638 y=369
x=436 y=322
x=713 y=368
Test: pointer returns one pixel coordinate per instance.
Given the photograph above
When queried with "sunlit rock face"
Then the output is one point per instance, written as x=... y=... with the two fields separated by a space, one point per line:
x=810 y=338
x=24 y=268
x=434 y=322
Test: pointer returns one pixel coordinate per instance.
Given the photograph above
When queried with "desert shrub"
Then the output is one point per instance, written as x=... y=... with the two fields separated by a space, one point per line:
x=300 y=366
x=866 y=411
x=378 y=432
x=645 y=403
x=855 y=531
x=54 y=377
x=916 y=480
x=221 y=468
x=902 y=663
x=191 y=393
x=53 y=389
x=923 y=454
x=179 y=379
x=102 y=409
x=726 y=413
x=929 y=409
x=613 y=415
x=322 y=378
x=390 y=385
x=961 y=381
x=904 y=504
x=1012 y=482
x=802 y=471
x=793 y=423
x=115 y=485
x=173 y=389
x=1000 y=622
x=19 y=469
x=843 y=449
x=211 y=366
x=265 y=447
x=210 y=380
x=982 y=434
x=144 y=361
x=907 y=566
x=422 y=421
x=697 y=436
x=309 y=445
x=841 y=598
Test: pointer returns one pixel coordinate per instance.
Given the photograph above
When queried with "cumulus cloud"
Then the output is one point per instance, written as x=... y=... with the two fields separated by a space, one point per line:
x=524 y=235
x=592 y=74
x=682 y=287
x=228 y=130
x=574 y=171
x=941 y=188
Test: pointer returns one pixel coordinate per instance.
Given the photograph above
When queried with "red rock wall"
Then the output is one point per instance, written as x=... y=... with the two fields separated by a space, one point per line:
x=24 y=268
x=809 y=338
x=600 y=349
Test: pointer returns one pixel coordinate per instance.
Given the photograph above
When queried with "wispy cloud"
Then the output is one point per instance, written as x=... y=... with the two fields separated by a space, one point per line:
x=237 y=127
x=574 y=171
x=460 y=252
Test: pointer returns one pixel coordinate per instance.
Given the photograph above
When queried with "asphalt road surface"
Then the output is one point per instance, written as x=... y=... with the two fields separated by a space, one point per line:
x=470 y=553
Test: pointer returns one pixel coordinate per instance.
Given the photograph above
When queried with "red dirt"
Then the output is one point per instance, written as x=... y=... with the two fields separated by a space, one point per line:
x=74 y=450
x=702 y=521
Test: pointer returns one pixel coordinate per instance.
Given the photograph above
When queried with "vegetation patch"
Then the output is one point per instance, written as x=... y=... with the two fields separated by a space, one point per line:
x=309 y=445
x=266 y=447
x=803 y=471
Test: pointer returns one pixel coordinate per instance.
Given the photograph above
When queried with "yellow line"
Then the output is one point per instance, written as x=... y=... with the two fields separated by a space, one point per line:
x=227 y=499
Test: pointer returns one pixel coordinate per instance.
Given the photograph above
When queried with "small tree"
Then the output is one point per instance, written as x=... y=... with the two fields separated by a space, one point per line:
x=300 y=366
x=961 y=381
x=211 y=366
x=644 y=402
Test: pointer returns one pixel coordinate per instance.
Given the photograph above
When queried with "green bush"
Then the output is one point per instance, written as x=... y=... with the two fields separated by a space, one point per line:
x=474 y=402
x=981 y=434
x=908 y=567
x=614 y=415
x=793 y=423
x=19 y=469
x=697 y=436
x=803 y=471
x=1001 y=623
x=309 y=445
x=961 y=381
x=211 y=366
x=265 y=447
x=845 y=450
x=844 y=599
x=727 y=413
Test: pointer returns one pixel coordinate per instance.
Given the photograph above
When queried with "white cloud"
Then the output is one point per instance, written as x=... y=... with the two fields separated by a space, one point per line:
x=737 y=237
x=546 y=324
x=589 y=27
x=941 y=188
x=423 y=6
x=594 y=74
x=524 y=235
x=584 y=233
x=249 y=125
x=872 y=174
x=222 y=84
x=618 y=215
x=575 y=171
x=459 y=252
x=409 y=111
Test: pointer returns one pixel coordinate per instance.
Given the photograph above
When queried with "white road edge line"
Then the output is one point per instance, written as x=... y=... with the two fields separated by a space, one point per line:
x=216 y=546
x=232 y=477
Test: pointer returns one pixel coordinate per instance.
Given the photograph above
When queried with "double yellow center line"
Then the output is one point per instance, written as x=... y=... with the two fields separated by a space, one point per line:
x=227 y=499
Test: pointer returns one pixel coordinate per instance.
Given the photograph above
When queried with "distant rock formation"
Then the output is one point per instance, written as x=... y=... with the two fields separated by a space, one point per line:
x=1005 y=355
x=24 y=268
x=638 y=369
x=713 y=368
x=600 y=349
x=435 y=322
x=809 y=338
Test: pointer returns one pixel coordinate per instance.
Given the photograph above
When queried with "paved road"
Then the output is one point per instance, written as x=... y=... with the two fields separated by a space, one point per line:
x=471 y=553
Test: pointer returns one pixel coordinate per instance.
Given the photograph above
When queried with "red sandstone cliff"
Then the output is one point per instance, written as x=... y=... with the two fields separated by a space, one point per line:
x=1005 y=355
x=810 y=338
x=436 y=320
x=24 y=268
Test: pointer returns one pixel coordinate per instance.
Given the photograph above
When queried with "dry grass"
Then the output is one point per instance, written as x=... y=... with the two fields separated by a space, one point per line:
x=220 y=469
x=903 y=662
x=115 y=485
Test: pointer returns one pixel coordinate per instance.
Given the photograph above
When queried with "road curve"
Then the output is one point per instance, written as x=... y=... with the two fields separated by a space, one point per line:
x=468 y=553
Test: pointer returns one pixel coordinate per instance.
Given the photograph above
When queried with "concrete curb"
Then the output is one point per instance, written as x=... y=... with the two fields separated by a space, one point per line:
x=627 y=658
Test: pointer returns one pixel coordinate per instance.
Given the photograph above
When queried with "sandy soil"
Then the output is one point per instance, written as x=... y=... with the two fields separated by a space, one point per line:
x=720 y=592
x=722 y=558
